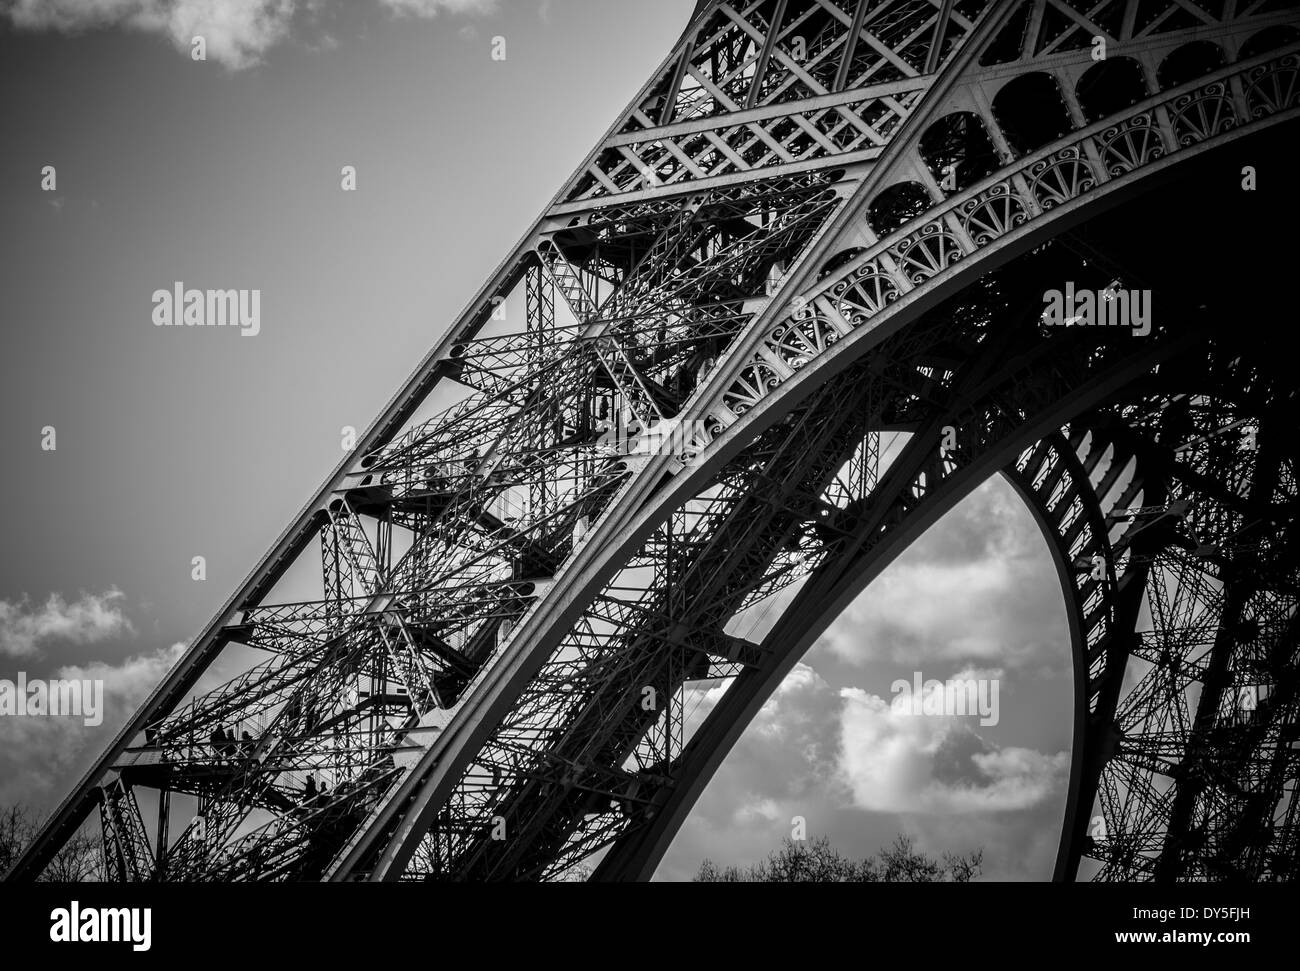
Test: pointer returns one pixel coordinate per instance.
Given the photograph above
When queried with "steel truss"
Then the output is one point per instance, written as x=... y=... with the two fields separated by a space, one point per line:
x=518 y=610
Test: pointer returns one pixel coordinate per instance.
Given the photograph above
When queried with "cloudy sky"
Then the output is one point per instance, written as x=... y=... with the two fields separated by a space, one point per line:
x=173 y=443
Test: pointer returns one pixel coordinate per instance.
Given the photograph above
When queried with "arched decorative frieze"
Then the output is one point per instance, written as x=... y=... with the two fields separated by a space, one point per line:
x=927 y=251
x=1060 y=177
x=864 y=293
x=1132 y=143
x=1273 y=87
x=1203 y=113
x=796 y=341
x=992 y=214
x=755 y=381
x=1051 y=177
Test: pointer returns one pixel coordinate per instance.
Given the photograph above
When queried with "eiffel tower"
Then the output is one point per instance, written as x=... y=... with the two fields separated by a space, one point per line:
x=786 y=314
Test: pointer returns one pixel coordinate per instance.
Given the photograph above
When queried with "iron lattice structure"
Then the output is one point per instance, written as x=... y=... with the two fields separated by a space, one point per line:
x=815 y=244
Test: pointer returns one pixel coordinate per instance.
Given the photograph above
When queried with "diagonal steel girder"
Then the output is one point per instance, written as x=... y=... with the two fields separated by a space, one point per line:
x=441 y=366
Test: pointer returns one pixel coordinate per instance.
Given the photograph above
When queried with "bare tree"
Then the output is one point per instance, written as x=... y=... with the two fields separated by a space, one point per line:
x=819 y=862
x=15 y=833
x=79 y=860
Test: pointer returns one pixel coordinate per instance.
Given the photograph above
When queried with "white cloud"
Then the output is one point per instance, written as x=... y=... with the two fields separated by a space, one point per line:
x=787 y=757
x=894 y=761
x=783 y=766
x=860 y=773
x=976 y=595
x=431 y=8
x=133 y=678
x=237 y=33
x=40 y=756
x=25 y=627
x=976 y=587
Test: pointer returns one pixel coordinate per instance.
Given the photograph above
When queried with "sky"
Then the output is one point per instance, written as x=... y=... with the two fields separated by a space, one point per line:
x=173 y=443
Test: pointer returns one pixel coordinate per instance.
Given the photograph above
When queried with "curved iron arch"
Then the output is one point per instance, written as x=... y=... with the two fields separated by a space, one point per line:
x=773 y=352
x=768 y=381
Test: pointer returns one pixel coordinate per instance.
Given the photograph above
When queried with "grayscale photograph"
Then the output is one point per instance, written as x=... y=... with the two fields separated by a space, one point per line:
x=649 y=441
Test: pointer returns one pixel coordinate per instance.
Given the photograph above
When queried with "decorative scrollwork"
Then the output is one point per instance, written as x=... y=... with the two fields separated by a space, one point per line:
x=1126 y=145
x=864 y=294
x=993 y=214
x=1274 y=86
x=798 y=341
x=927 y=251
x=1061 y=177
x=1202 y=114
x=755 y=381
x=1129 y=145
